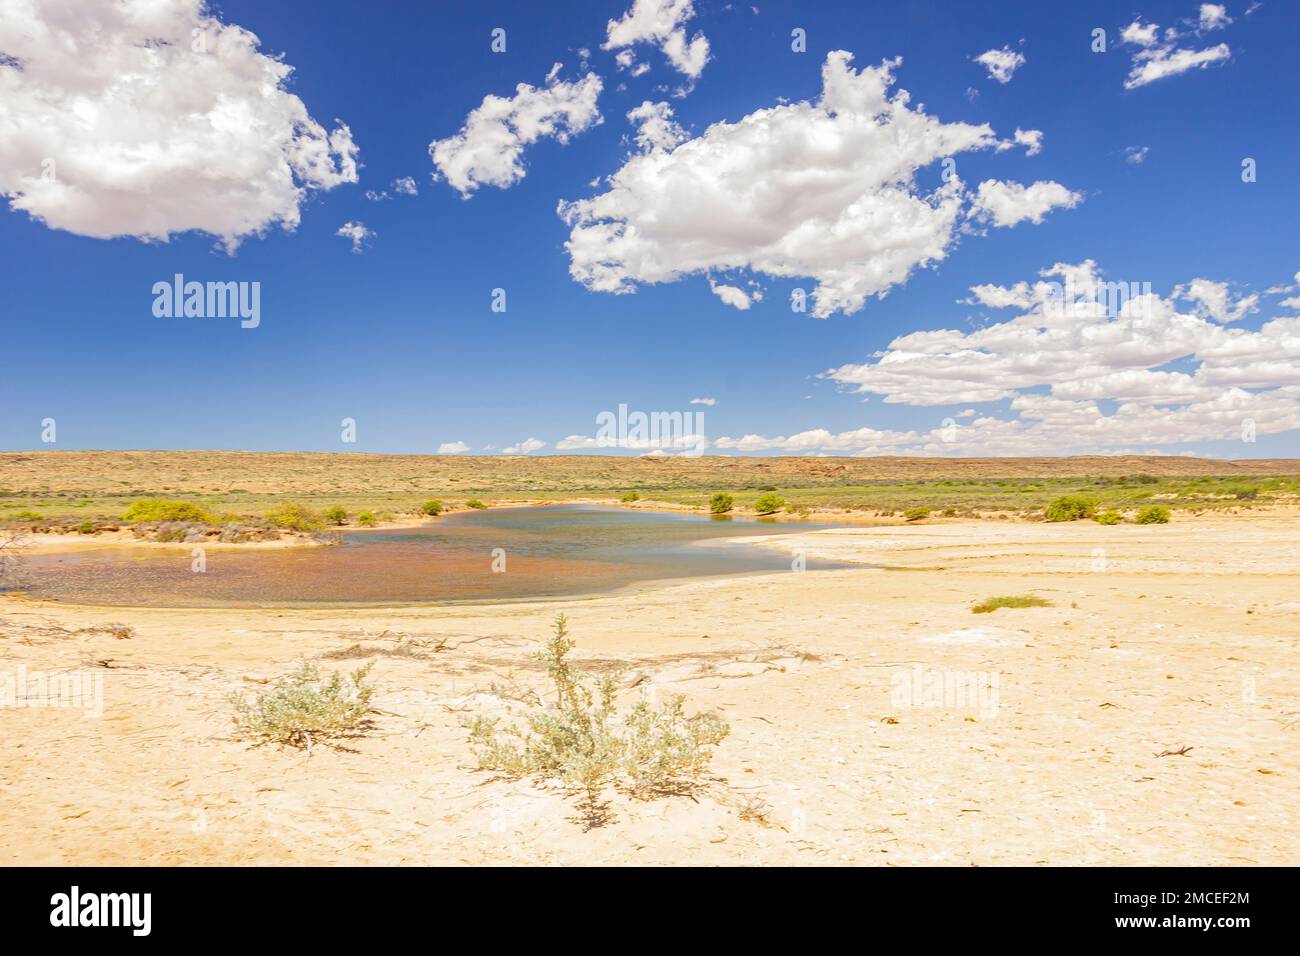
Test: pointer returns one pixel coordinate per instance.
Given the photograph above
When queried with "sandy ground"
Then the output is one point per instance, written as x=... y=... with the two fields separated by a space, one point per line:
x=1160 y=638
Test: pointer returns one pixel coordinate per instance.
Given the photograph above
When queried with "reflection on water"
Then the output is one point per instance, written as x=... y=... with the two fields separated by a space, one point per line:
x=548 y=552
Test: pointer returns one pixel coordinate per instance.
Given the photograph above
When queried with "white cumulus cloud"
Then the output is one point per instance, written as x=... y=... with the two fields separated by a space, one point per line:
x=488 y=150
x=1173 y=375
x=525 y=447
x=149 y=118
x=1215 y=299
x=662 y=23
x=453 y=448
x=825 y=189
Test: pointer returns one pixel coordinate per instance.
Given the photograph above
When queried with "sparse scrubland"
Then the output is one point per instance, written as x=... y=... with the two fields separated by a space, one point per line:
x=60 y=490
x=1099 y=690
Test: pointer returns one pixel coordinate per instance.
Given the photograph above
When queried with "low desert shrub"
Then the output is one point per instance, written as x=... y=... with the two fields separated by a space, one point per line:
x=432 y=507
x=578 y=740
x=769 y=504
x=1070 y=508
x=1109 y=517
x=1019 y=600
x=165 y=509
x=630 y=496
x=335 y=515
x=916 y=514
x=475 y=504
x=305 y=708
x=1153 y=514
x=668 y=751
x=721 y=503
x=295 y=517
x=367 y=519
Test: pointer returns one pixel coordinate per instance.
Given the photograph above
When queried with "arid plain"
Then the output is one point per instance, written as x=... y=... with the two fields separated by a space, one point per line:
x=1149 y=713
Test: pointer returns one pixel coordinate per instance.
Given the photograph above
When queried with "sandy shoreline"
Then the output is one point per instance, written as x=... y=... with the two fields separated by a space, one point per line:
x=1172 y=636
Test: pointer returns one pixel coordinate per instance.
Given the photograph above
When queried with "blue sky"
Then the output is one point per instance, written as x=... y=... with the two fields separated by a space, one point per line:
x=400 y=336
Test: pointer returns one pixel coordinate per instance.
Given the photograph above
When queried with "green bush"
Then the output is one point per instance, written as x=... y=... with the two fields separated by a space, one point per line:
x=1070 y=508
x=769 y=504
x=1021 y=600
x=1109 y=517
x=29 y=516
x=432 y=507
x=335 y=515
x=164 y=509
x=304 y=708
x=367 y=519
x=721 y=503
x=630 y=496
x=916 y=514
x=578 y=740
x=294 y=517
x=1153 y=514
x=475 y=504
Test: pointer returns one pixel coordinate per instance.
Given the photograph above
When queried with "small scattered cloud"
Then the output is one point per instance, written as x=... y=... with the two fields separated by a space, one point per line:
x=734 y=296
x=1005 y=204
x=357 y=232
x=525 y=447
x=1031 y=139
x=704 y=401
x=453 y=448
x=1214 y=16
x=1161 y=55
x=1137 y=155
x=1001 y=64
x=1292 y=302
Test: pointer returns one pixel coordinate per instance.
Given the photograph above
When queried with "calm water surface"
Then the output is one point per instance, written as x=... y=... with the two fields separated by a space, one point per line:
x=549 y=552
